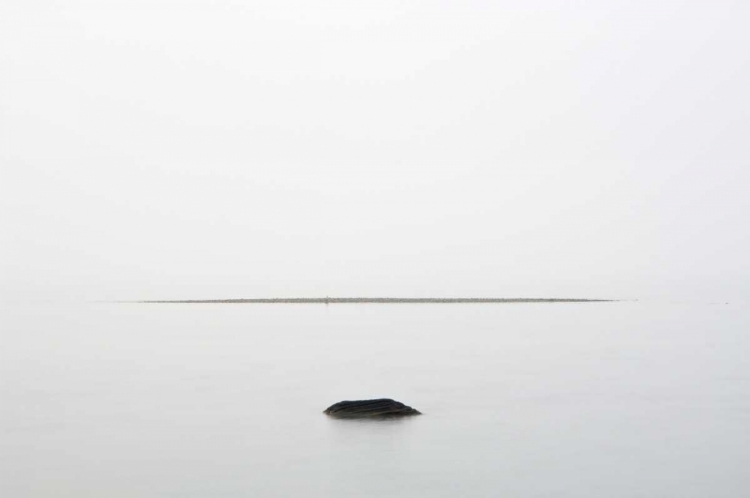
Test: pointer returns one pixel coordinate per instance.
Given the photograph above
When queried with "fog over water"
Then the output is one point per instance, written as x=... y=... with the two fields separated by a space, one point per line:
x=165 y=150
x=194 y=150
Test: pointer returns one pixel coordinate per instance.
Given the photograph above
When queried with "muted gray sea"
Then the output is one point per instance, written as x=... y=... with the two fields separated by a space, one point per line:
x=577 y=400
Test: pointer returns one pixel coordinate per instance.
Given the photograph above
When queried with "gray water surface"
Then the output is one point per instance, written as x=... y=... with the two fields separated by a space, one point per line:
x=524 y=400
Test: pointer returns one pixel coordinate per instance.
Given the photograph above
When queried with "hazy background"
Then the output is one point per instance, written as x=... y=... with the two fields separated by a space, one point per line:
x=173 y=149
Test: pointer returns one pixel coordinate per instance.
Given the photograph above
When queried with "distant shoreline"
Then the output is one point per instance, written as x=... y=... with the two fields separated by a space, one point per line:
x=375 y=300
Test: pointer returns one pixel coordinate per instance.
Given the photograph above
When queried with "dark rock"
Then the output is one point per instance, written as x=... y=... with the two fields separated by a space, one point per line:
x=370 y=408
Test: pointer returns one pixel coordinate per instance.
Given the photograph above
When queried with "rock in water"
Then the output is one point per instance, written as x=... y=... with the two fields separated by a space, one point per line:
x=370 y=408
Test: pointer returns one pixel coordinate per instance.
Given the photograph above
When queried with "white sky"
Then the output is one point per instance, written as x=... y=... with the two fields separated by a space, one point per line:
x=172 y=149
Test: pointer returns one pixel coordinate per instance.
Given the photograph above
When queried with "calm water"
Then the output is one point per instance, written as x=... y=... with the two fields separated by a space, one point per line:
x=522 y=400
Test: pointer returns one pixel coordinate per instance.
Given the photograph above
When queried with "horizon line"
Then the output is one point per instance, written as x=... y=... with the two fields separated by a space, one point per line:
x=373 y=300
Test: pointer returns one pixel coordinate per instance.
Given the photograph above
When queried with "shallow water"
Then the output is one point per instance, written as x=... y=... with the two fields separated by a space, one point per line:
x=524 y=400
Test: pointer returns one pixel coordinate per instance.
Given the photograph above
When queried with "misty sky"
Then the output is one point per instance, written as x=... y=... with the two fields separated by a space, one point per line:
x=173 y=149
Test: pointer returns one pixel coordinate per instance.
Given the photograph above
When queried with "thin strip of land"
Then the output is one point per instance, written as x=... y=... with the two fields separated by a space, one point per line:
x=377 y=300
